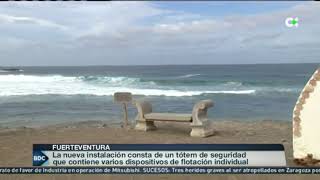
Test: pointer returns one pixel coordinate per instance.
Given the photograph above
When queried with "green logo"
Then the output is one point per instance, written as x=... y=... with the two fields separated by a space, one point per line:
x=292 y=22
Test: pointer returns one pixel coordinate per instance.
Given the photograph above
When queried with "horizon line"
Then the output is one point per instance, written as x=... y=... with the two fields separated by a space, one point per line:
x=6 y=66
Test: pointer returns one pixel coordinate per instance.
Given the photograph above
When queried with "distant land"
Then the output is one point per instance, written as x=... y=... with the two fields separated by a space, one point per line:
x=10 y=69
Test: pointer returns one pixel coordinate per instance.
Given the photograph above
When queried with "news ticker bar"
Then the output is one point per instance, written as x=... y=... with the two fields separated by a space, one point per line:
x=157 y=170
x=158 y=147
x=158 y=155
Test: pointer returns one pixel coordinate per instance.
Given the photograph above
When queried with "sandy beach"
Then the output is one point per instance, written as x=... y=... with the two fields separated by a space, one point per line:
x=16 y=144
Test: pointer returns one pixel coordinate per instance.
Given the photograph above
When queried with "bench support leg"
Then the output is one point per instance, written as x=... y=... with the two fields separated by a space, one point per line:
x=145 y=126
x=201 y=131
x=200 y=124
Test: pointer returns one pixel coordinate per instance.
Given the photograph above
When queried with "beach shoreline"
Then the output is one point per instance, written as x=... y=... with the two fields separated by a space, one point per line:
x=18 y=142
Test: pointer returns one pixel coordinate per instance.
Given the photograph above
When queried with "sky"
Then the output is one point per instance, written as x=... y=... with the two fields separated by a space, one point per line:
x=157 y=33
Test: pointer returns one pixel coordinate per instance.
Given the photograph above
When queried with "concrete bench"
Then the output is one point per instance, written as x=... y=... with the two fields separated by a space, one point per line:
x=198 y=118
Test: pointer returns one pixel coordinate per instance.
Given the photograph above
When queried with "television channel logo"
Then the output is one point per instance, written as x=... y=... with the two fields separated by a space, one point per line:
x=292 y=22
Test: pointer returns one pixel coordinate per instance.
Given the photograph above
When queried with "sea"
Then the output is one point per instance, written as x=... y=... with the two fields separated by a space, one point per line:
x=37 y=96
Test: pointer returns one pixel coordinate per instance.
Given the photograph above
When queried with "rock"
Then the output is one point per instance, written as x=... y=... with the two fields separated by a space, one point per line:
x=251 y=133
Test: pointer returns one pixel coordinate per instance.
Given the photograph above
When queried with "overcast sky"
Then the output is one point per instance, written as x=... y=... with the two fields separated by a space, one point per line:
x=148 y=33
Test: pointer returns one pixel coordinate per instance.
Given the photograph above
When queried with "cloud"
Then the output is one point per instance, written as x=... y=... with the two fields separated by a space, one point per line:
x=196 y=26
x=4 y=18
x=143 y=33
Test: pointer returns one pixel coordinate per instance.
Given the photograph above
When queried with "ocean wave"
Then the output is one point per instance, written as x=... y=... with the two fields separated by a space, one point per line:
x=16 y=85
x=58 y=78
x=111 y=80
x=10 y=78
x=233 y=83
x=188 y=76
x=281 y=90
x=110 y=91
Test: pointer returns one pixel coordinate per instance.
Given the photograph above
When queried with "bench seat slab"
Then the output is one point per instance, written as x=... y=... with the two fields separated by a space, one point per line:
x=168 y=117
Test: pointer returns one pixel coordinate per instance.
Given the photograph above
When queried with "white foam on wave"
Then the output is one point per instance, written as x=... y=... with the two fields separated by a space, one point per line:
x=188 y=76
x=34 y=79
x=233 y=83
x=110 y=91
x=18 y=85
x=110 y=80
x=66 y=79
x=282 y=90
